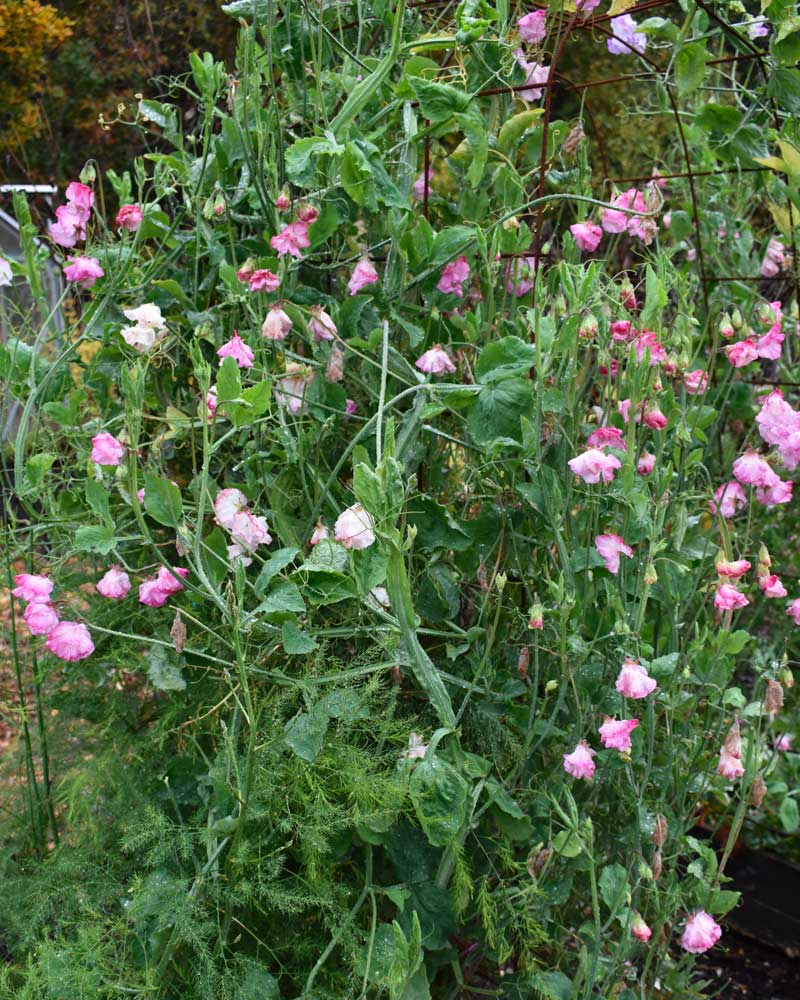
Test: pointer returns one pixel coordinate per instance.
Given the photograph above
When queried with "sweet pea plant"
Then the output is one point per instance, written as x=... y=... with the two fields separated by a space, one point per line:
x=401 y=536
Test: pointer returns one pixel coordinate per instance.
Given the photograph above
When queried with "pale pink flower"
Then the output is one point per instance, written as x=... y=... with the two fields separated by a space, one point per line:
x=646 y=463
x=794 y=610
x=728 y=499
x=769 y=346
x=211 y=402
x=237 y=349
x=129 y=217
x=627 y=36
x=742 y=353
x=363 y=274
x=771 y=586
x=84 y=271
x=695 y=382
x=758 y=28
x=607 y=437
x=81 y=198
x=728 y=598
x=586 y=6
x=732 y=569
x=593 y=465
x=320 y=325
x=290 y=390
x=248 y=531
x=614 y=220
x=532 y=27
x=276 y=324
x=654 y=418
x=149 y=327
x=29 y=587
x=106 y=450
x=701 y=933
x=774 y=259
x=579 y=763
x=779 y=425
x=534 y=74
x=227 y=505
x=616 y=733
x=453 y=277
x=418 y=188
x=307 y=214
x=611 y=547
x=147 y=314
x=264 y=281
x=436 y=361
x=634 y=681
x=167 y=581
x=775 y=492
x=624 y=409
x=354 y=528
x=319 y=534
x=648 y=341
x=292 y=239
x=587 y=235
x=68 y=229
x=784 y=743
x=41 y=619
x=729 y=766
x=753 y=470
x=70 y=641
x=115 y=584
x=639 y=929
x=6 y=277
x=519 y=275
x=152 y=595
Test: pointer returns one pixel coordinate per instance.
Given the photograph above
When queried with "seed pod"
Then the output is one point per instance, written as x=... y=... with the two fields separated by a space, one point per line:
x=178 y=633
x=758 y=792
x=659 y=834
x=538 y=859
x=575 y=137
x=334 y=371
x=397 y=675
x=656 y=866
x=773 y=698
x=523 y=662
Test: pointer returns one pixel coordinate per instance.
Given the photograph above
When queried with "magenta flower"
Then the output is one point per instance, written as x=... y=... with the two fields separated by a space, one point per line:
x=436 y=361
x=84 y=271
x=68 y=229
x=611 y=547
x=453 y=277
x=648 y=341
x=349 y=407
x=639 y=929
x=769 y=346
x=532 y=27
x=276 y=325
x=321 y=326
x=646 y=463
x=319 y=534
x=152 y=595
x=732 y=570
x=534 y=74
x=211 y=402
x=771 y=586
x=106 y=450
x=237 y=349
x=115 y=584
x=129 y=217
x=774 y=259
x=364 y=274
x=263 y=281
x=292 y=239
x=579 y=763
x=607 y=437
x=613 y=220
x=593 y=465
x=41 y=619
x=634 y=681
x=654 y=418
x=167 y=580
x=32 y=588
x=354 y=528
x=695 y=382
x=742 y=353
x=587 y=235
x=728 y=598
x=70 y=641
x=282 y=201
x=616 y=733
x=794 y=610
x=728 y=499
x=701 y=933
x=627 y=36
x=81 y=197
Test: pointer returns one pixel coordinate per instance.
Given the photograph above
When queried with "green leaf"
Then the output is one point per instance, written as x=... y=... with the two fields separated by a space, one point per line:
x=369 y=568
x=655 y=300
x=498 y=409
x=734 y=642
x=663 y=666
x=277 y=561
x=36 y=468
x=163 y=669
x=301 y=157
x=97 y=498
x=720 y=118
x=567 y=844
x=322 y=586
x=215 y=556
x=282 y=598
x=451 y=243
x=613 y=884
x=474 y=129
x=95 y=538
x=160 y=114
x=257 y=399
x=438 y=101
x=369 y=491
x=344 y=704
x=723 y=901
x=229 y=383
x=162 y=500
x=439 y=795
x=784 y=89
x=789 y=815
x=436 y=526
x=552 y=985
x=295 y=640
x=515 y=128
x=504 y=357
x=305 y=734
x=690 y=67
x=355 y=175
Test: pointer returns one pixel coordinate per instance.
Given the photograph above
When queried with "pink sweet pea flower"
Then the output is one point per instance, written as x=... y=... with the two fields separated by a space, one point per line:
x=648 y=341
x=616 y=733
x=742 y=353
x=84 y=271
x=774 y=493
x=320 y=325
x=81 y=198
x=248 y=531
x=69 y=228
x=167 y=581
x=751 y=469
x=779 y=425
x=277 y=324
x=418 y=188
x=363 y=274
x=211 y=402
x=350 y=407
x=784 y=742
x=728 y=598
x=152 y=595
x=732 y=570
x=769 y=346
x=534 y=74
x=129 y=217
x=634 y=681
x=695 y=382
x=607 y=437
x=41 y=619
x=70 y=641
x=794 y=610
x=236 y=348
x=627 y=37
x=774 y=259
x=290 y=390
x=453 y=277
x=115 y=584
x=292 y=239
x=587 y=235
x=613 y=220
x=264 y=281
x=639 y=929
x=758 y=28
x=436 y=361
x=654 y=418
x=307 y=214
x=611 y=547
x=701 y=933
x=227 y=505
x=106 y=450
x=319 y=534
x=593 y=465
x=354 y=528
x=646 y=463
x=621 y=330
x=579 y=763
x=771 y=586
x=32 y=588
x=728 y=499
x=729 y=766
x=532 y=27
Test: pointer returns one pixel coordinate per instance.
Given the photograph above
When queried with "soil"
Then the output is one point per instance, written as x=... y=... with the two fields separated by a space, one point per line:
x=748 y=968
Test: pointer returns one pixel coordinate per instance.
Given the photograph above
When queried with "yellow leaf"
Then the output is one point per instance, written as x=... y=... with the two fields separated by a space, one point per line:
x=773 y=162
x=791 y=157
x=785 y=217
x=620 y=6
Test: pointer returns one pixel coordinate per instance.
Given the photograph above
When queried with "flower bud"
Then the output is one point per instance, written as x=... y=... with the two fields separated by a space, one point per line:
x=550 y=687
x=787 y=678
x=726 y=327
x=650 y=575
x=736 y=319
x=536 y=615
x=282 y=201
x=588 y=327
